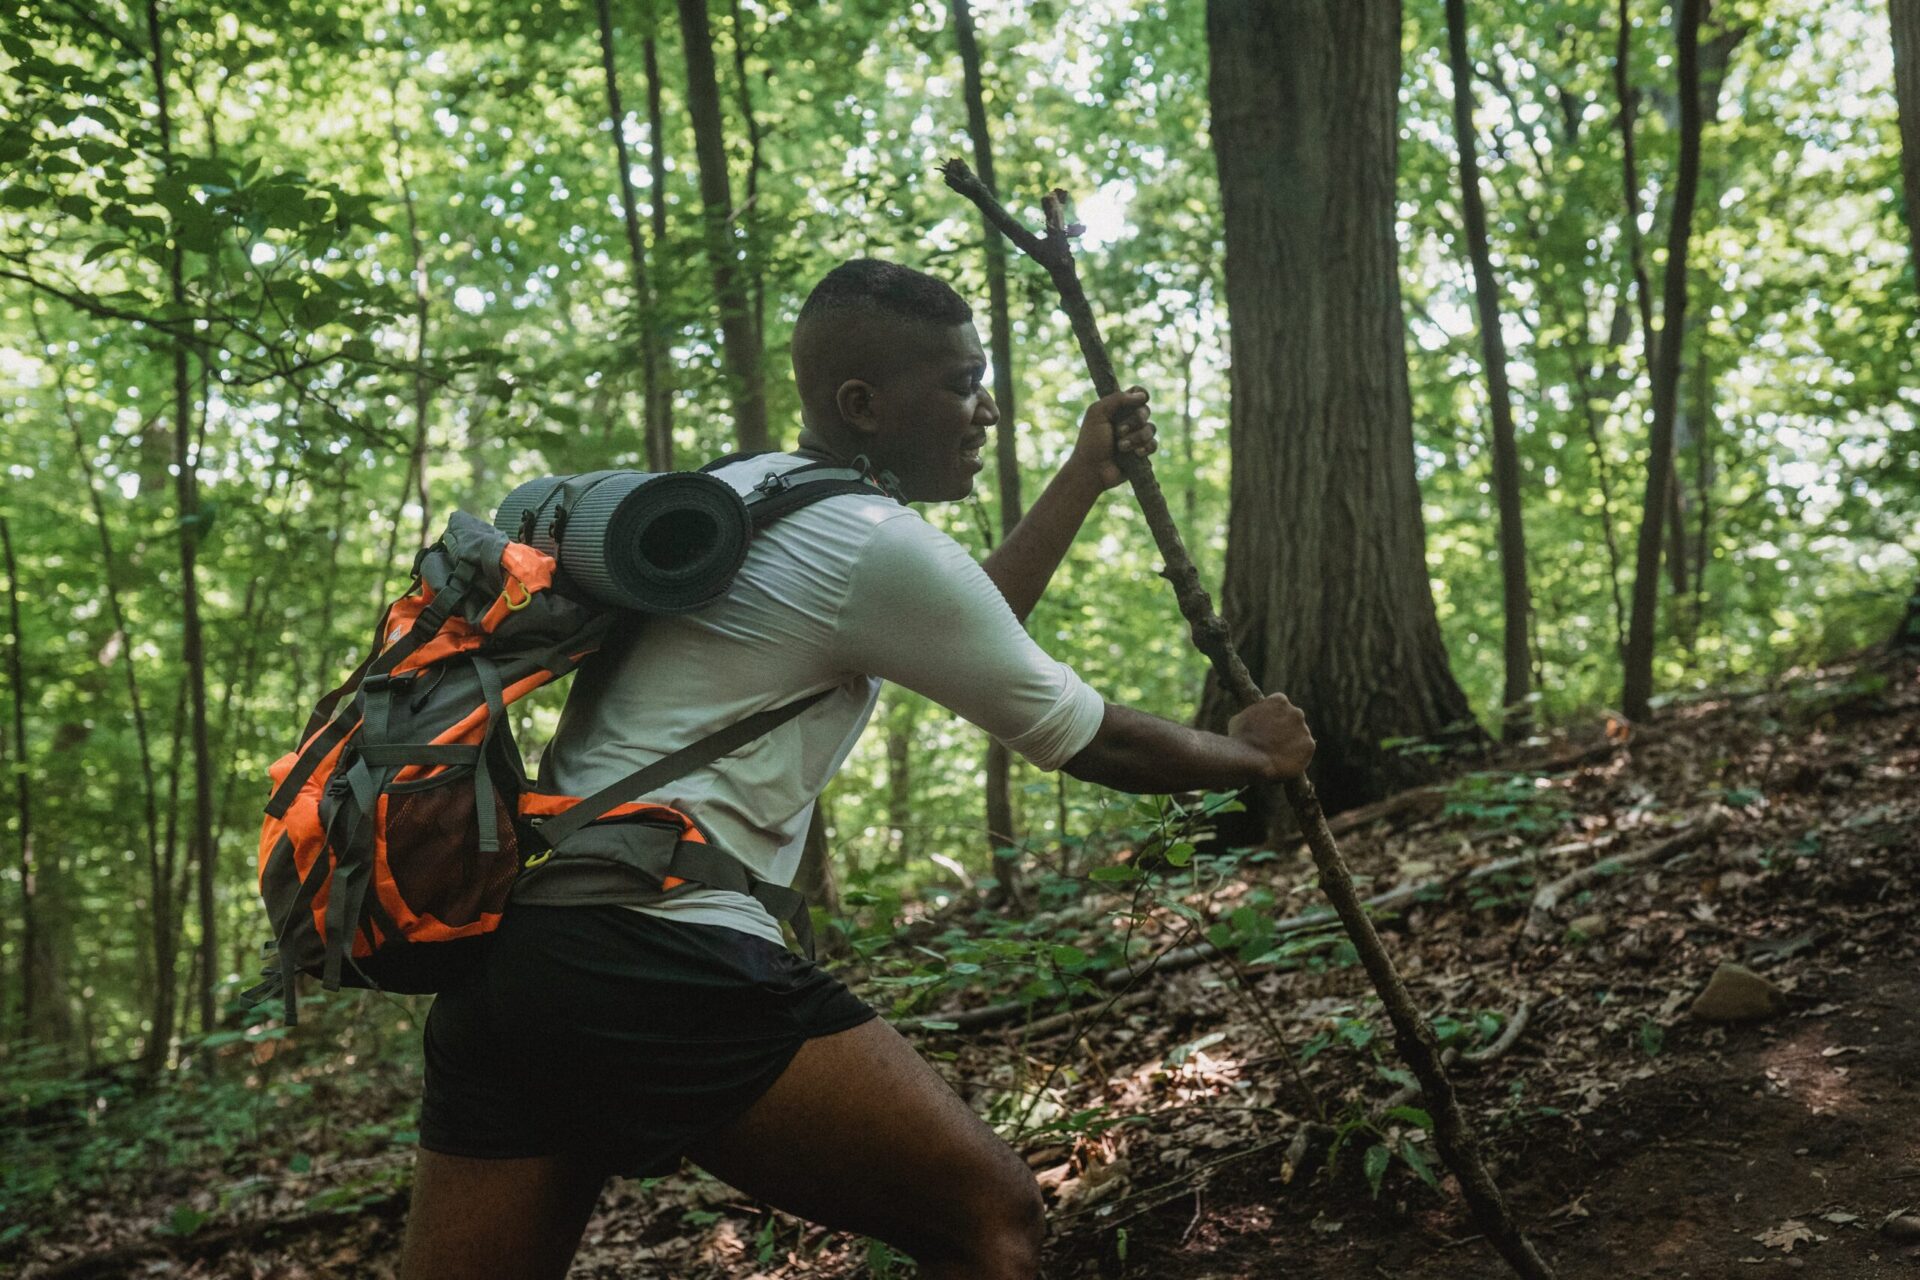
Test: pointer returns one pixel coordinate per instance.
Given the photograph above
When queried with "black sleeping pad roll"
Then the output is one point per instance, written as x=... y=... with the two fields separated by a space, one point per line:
x=665 y=542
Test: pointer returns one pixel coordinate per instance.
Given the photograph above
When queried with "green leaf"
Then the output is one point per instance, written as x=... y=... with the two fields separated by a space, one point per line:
x=300 y=1163
x=1411 y=1115
x=1069 y=957
x=1374 y=1165
x=102 y=249
x=1180 y=855
x=184 y=1221
x=1114 y=874
x=1417 y=1161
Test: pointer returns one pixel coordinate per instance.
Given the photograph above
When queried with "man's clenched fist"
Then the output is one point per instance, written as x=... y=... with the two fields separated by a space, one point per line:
x=1278 y=729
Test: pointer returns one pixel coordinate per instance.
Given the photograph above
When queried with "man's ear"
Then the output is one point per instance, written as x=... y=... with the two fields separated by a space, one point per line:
x=854 y=399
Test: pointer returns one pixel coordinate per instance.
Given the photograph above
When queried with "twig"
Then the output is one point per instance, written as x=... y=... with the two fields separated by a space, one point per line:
x=1540 y=923
x=1455 y=1139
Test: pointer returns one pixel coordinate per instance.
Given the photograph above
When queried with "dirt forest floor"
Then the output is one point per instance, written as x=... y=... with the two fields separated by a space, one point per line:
x=1634 y=1139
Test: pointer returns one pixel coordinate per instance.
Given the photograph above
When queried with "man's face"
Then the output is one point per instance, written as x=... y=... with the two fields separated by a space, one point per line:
x=928 y=422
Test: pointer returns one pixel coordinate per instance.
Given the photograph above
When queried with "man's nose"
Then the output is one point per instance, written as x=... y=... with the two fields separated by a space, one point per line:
x=986 y=413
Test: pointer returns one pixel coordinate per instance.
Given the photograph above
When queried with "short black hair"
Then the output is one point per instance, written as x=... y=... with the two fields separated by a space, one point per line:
x=870 y=285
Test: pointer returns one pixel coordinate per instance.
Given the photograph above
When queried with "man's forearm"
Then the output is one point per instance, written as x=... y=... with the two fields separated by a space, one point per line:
x=1023 y=563
x=1146 y=755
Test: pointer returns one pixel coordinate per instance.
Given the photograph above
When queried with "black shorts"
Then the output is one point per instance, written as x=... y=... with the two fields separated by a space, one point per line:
x=604 y=1033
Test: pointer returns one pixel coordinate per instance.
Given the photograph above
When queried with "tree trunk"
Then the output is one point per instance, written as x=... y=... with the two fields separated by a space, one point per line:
x=899 y=780
x=1326 y=579
x=815 y=880
x=1906 y=79
x=1516 y=602
x=659 y=458
x=35 y=1000
x=749 y=212
x=159 y=912
x=1002 y=837
x=739 y=337
x=415 y=484
x=659 y=392
x=1637 y=687
x=186 y=496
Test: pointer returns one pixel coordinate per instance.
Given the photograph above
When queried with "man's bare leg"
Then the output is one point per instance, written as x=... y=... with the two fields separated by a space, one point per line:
x=859 y=1134
x=496 y=1219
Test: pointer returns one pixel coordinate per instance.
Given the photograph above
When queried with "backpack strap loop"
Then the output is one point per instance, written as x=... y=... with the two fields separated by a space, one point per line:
x=485 y=813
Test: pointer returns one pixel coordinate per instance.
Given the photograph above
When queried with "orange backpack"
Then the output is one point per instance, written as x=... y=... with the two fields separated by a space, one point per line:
x=400 y=823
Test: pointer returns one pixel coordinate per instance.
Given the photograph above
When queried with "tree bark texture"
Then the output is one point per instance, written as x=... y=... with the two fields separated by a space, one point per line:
x=739 y=337
x=1906 y=79
x=658 y=449
x=1637 y=689
x=1001 y=835
x=1326 y=577
x=1515 y=598
x=186 y=495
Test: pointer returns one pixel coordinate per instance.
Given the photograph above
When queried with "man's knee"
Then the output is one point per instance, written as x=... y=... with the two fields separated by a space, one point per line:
x=1004 y=1229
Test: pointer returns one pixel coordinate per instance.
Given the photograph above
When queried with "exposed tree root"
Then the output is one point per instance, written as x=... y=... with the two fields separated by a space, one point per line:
x=1540 y=923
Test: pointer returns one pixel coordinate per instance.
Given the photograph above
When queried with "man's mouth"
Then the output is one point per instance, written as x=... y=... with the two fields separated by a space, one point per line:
x=970 y=449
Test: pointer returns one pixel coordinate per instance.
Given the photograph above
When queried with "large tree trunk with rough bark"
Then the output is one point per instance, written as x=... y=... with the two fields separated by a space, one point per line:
x=1515 y=599
x=1326 y=580
x=1001 y=835
x=1906 y=78
x=739 y=336
x=1637 y=688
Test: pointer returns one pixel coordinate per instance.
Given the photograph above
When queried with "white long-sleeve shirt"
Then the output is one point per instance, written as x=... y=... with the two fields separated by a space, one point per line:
x=839 y=595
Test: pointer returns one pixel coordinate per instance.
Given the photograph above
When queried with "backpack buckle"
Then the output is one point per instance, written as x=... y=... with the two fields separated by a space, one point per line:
x=774 y=482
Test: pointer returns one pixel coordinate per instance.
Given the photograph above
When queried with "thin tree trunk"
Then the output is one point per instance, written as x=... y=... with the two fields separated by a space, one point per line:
x=659 y=447
x=416 y=478
x=1587 y=386
x=660 y=411
x=1516 y=717
x=899 y=781
x=32 y=1004
x=187 y=499
x=1906 y=78
x=1326 y=584
x=749 y=213
x=1637 y=686
x=159 y=909
x=815 y=879
x=1002 y=834
x=739 y=336
x=1630 y=176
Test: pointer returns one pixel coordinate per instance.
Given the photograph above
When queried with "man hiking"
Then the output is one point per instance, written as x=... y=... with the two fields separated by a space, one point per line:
x=617 y=1036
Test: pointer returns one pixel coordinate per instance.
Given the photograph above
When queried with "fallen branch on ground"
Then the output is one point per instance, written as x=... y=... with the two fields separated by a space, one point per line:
x=1458 y=1146
x=967 y=1021
x=1540 y=922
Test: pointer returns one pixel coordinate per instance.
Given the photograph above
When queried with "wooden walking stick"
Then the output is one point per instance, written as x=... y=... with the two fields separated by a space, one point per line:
x=1458 y=1146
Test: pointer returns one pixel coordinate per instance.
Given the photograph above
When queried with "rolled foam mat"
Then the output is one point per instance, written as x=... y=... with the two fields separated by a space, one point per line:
x=664 y=542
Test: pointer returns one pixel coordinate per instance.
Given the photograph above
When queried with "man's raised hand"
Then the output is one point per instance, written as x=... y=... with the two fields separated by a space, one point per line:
x=1278 y=729
x=1096 y=450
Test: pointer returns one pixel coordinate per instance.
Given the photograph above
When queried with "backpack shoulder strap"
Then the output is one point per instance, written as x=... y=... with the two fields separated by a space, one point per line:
x=671 y=768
